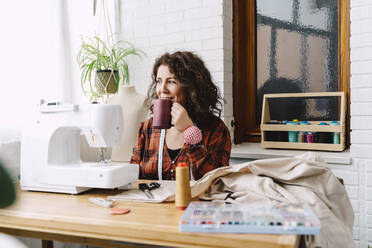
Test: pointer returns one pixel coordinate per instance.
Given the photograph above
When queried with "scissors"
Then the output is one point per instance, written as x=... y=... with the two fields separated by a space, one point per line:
x=146 y=188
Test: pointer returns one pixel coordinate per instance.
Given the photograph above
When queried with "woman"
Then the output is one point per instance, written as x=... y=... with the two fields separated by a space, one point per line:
x=183 y=78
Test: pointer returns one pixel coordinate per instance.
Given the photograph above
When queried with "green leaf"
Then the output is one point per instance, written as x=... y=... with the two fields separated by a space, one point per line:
x=96 y=54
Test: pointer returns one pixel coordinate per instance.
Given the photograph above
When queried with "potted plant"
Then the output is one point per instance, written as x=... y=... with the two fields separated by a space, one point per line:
x=104 y=65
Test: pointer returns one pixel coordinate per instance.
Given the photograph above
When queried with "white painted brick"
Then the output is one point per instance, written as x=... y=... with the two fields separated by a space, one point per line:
x=369 y=233
x=362 y=12
x=214 y=66
x=350 y=178
x=142 y=32
x=142 y=43
x=166 y=40
x=355 y=206
x=362 y=217
x=218 y=77
x=156 y=51
x=361 y=26
x=151 y=10
x=362 y=180
x=223 y=79
x=214 y=2
x=369 y=181
x=189 y=46
x=182 y=5
x=215 y=54
x=367 y=164
x=361 y=137
x=190 y=4
x=363 y=67
x=159 y=30
x=205 y=12
x=175 y=27
x=356 y=3
x=360 y=40
x=369 y=194
x=369 y=220
x=185 y=25
x=355 y=233
x=344 y=167
x=356 y=219
x=361 y=54
x=212 y=44
x=369 y=208
x=361 y=123
x=352 y=192
x=361 y=109
x=164 y=19
x=361 y=81
x=215 y=21
x=203 y=34
x=361 y=151
x=141 y=23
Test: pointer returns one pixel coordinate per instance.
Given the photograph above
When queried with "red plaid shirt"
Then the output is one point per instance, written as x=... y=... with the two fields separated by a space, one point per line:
x=212 y=152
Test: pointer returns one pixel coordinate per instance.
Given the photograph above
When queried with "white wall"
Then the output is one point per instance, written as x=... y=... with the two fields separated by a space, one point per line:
x=361 y=113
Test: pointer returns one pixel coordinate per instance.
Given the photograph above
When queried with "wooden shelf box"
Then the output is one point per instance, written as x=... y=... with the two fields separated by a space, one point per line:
x=312 y=127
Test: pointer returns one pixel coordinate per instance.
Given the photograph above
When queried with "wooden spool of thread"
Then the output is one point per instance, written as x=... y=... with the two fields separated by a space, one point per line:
x=183 y=191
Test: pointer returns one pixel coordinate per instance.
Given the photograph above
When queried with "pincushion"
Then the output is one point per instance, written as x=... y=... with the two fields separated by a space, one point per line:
x=192 y=135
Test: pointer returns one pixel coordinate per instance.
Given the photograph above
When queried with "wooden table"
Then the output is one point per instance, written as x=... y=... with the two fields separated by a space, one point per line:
x=72 y=218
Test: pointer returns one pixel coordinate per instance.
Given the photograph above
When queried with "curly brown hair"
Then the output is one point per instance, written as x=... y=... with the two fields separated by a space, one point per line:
x=202 y=98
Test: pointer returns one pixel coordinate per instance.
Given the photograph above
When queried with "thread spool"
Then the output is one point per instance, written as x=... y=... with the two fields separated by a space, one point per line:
x=336 y=135
x=292 y=135
x=183 y=191
x=301 y=134
x=310 y=137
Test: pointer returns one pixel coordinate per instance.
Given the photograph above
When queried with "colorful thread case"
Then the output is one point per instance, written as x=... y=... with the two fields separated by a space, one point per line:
x=244 y=218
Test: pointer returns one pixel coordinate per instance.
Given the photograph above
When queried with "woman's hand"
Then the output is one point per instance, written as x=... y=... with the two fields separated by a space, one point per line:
x=180 y=117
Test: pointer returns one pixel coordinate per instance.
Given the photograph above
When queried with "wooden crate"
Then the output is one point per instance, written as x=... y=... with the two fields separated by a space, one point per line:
x=313 y=127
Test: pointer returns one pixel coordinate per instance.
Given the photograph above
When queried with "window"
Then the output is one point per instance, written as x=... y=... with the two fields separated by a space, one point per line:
x=288 y=46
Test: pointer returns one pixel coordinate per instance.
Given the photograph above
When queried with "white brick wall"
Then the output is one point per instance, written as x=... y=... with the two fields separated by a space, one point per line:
x=361 y=114
x=205 y=27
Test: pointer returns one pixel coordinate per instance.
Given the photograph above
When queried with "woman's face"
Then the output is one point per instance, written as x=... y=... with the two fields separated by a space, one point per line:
x=167 y=86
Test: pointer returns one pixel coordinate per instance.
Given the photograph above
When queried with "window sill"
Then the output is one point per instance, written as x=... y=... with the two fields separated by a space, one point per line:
x=255 y=151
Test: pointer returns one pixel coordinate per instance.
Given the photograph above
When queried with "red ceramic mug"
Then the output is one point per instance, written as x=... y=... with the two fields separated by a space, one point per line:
x=162 y=114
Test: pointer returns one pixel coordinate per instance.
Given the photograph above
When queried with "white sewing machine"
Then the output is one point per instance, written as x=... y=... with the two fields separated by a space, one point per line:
x=51 y=150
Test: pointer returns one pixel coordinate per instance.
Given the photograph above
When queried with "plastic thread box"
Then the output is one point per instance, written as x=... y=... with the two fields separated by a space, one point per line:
x=248 y=218
x=335 y=128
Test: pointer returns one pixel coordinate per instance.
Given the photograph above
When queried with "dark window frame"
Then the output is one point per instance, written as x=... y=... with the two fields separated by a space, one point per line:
x=244 y=67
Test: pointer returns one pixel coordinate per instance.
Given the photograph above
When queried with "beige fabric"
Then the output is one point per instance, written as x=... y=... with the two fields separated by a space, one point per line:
x=303 y=178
